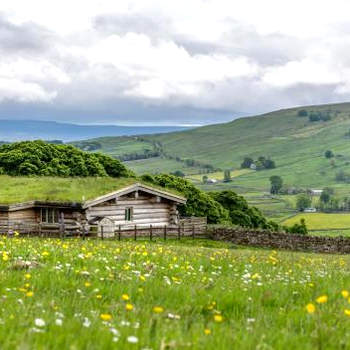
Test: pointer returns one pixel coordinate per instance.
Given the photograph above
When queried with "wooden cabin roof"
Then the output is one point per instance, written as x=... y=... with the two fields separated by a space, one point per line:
x=17 y=193
x=133 y=188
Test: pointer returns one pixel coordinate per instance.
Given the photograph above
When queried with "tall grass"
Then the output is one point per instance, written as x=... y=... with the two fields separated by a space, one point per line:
x=140 y=295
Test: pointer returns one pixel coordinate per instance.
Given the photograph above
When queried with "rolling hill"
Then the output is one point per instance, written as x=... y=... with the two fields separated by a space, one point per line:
x=295 y=143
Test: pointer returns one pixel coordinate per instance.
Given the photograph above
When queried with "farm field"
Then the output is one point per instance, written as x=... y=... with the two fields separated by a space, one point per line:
x=190 y=294
x=318 y=221
x=158 y=165
x=218 y=175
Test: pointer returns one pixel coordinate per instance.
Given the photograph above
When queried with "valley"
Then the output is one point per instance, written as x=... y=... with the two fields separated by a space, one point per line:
x=295 y=142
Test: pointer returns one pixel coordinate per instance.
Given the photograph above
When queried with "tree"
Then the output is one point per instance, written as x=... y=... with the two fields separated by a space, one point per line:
x=326 y=195
x=178 y=173
x=269 y=164
x=205 y=179
x=199 y=203
x=302 y=113
x=303 y=201
x=328 y=154
x=276 y=184
x=299 y=229
x=247 y=162
x=239 y=211
x=227 y=176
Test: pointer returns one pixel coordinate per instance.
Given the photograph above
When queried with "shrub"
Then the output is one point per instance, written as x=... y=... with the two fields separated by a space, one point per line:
x=239 y=211
x=328 y=154
x=300 y=229
x=198 y=203
x=303 y=201
x=302 y=113
x=39 y=158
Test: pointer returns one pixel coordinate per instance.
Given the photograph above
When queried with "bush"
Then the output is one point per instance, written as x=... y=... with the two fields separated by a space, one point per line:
x=38 y=158
x=178 y=173
x=198 y=203
x=300 y=229
x=303 y=201
x=302 y=113
x=239 y=211
x=260 y=164
x=224 y=207
x=328 y=154
x=247 y=162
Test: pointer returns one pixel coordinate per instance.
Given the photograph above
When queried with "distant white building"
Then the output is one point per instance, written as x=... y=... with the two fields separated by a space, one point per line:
x=316 y=192
x=310 y=210
x=212 y=181
x=253 y=166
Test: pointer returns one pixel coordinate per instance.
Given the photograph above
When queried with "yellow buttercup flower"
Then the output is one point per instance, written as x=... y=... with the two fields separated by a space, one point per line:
x=207 y=331
x=29 y=294
x=129 y=307
x=218 y=318
x=322 y=299
x=125 y=297
x=105 y=317
x=310 y=308
x=345 y=294
x=27 y=276
x=347 y=312
x=158 y=309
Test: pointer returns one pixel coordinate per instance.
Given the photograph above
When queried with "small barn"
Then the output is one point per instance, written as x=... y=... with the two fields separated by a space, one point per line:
x=137 y=204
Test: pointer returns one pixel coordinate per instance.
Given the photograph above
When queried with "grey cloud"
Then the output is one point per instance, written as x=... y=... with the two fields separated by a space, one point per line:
x=27 y=37
x=159 y=27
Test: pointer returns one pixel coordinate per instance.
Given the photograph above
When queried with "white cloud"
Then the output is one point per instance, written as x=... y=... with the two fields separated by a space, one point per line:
x=13 y=89
x=228 y=55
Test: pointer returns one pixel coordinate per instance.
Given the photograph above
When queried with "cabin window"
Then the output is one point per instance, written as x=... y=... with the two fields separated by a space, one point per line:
x=49 y=215
x=128 y=214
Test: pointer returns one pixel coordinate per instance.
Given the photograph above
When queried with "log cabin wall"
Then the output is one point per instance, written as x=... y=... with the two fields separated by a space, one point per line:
x=3 y=221
x=147 y=210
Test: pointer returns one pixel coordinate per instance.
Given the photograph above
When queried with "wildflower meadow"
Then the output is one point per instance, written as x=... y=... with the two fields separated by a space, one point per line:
x=190 y=294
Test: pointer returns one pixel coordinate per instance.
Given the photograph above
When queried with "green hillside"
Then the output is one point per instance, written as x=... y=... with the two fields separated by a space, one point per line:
x=294 y=142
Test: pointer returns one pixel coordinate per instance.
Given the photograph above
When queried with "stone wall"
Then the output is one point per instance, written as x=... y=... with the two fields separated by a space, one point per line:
x=276 y=240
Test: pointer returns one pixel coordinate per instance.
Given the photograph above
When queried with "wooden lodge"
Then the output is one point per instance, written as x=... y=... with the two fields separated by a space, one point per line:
x=137 y=206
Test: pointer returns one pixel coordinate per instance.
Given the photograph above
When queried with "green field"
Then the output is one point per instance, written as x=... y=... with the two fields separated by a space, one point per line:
x=174 y=295
x=218 y=175
x=158 y=165
x=318 y=221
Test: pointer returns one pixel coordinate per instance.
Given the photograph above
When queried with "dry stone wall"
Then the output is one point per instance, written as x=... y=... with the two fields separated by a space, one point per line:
x=279 y=240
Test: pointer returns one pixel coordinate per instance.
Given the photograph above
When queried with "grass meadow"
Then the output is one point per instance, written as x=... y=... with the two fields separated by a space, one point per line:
x=190 y=294
x=322 y=221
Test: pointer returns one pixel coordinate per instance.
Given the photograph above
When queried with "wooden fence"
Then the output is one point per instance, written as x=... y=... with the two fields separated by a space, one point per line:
x=188 y=227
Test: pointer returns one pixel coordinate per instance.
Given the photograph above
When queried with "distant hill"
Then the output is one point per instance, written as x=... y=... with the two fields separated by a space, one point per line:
x=296 y=139
x=17 y=130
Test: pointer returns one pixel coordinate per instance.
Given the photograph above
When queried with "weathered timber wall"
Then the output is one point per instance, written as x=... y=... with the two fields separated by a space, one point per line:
x=275 y=240
x=145 y=211
x=193 y=223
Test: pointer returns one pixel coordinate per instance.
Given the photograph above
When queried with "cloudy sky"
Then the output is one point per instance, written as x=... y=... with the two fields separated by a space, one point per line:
x=170 y=62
